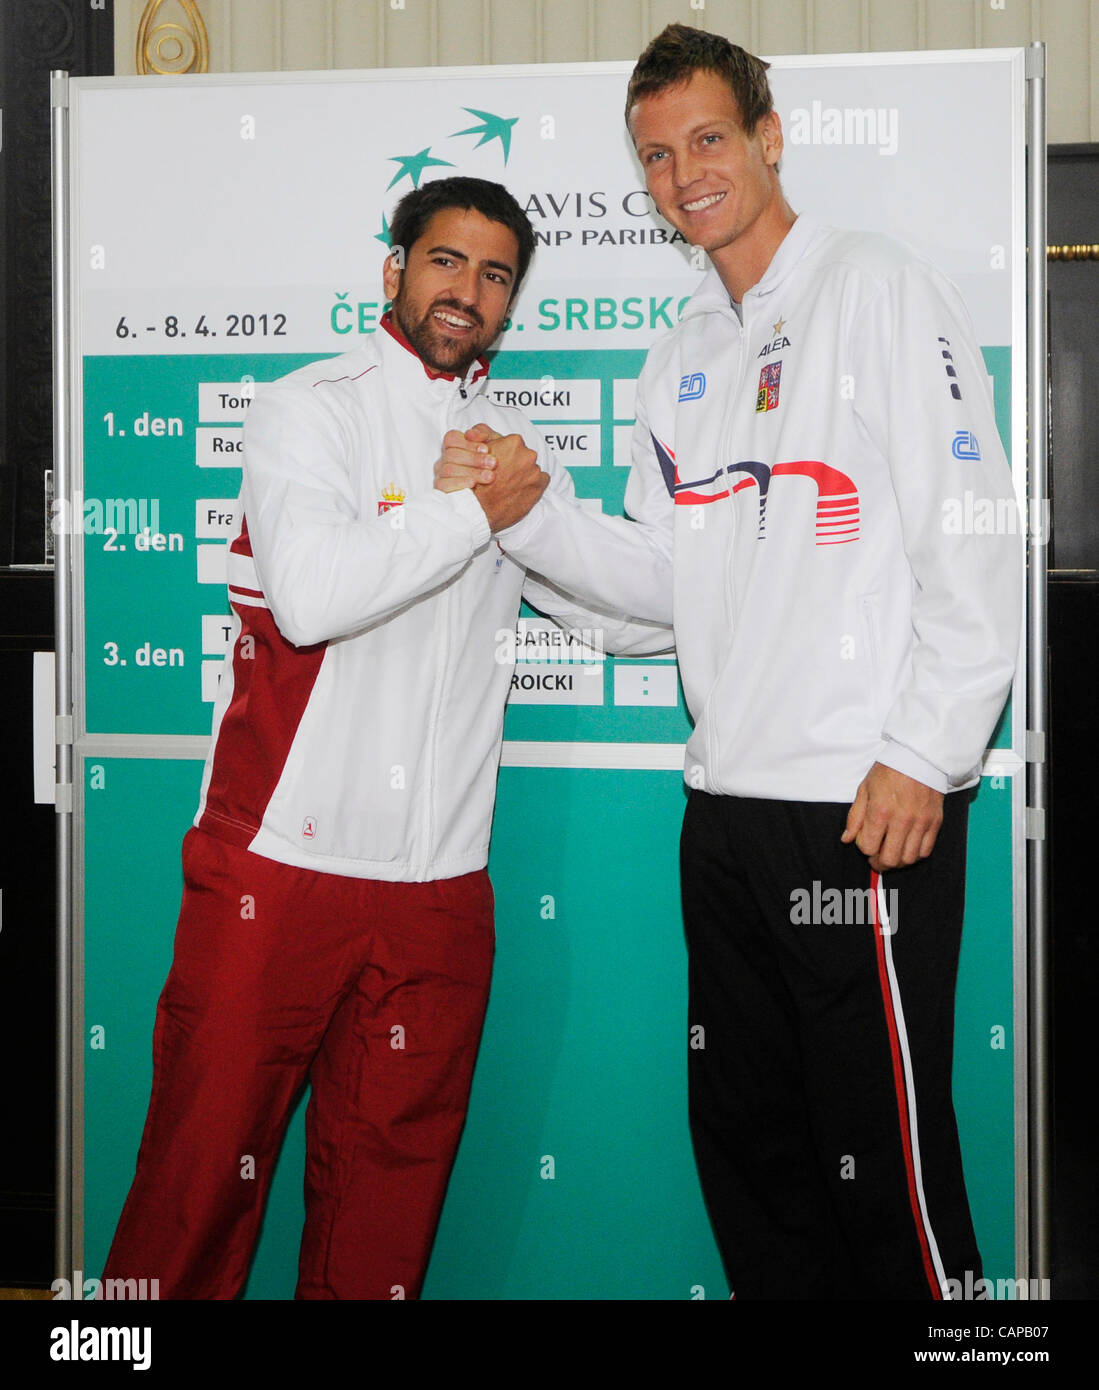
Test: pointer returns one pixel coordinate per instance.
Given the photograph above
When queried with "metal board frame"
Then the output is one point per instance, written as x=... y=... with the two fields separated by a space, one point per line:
x=1030 y=693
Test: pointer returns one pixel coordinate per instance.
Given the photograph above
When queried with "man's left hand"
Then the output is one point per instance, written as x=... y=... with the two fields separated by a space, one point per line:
x=893 y=819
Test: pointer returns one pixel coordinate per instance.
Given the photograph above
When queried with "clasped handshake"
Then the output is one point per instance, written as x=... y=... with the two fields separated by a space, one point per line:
x=501 y=470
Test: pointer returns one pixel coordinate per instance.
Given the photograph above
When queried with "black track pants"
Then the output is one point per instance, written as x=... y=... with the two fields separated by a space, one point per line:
x=821 y=1043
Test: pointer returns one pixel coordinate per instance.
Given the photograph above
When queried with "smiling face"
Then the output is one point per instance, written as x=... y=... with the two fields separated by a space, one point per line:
x=452 y=296
x=716 y=185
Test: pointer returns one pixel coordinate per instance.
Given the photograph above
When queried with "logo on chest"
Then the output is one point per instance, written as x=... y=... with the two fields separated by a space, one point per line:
x=767 y=395
x=391 y=497
x=693 y=386
x=778 y=342
x=837 y=508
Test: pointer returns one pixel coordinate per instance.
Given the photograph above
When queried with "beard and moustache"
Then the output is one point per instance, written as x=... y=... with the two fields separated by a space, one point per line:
x=431 y=341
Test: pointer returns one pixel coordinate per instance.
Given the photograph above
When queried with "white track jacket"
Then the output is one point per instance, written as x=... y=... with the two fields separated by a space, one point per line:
x=847 y=576
x=358 y=725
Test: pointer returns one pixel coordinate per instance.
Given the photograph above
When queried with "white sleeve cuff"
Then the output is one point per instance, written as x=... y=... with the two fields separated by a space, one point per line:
x=471 y=510
x=525 y=529
x=902 y=759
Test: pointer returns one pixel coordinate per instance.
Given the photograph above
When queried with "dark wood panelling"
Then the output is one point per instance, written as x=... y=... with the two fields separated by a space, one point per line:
x=1074 y=756
x=36 y=36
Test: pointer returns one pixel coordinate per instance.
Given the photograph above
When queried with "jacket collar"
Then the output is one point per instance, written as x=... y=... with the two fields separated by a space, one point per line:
x=712 y=295
x=791 y=249
x=401 y=357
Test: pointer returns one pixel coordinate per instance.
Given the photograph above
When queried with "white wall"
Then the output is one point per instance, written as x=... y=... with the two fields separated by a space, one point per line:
x=272 y=35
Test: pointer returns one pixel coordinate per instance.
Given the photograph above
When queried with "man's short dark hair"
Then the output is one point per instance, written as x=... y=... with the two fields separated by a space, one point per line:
x=491 y=200
x=677 y=53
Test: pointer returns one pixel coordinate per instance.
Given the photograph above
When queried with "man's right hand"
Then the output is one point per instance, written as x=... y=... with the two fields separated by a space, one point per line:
x=507 y=481
x=466 y=459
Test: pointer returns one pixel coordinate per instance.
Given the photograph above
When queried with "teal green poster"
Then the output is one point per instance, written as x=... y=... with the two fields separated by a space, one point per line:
x=575 y=1177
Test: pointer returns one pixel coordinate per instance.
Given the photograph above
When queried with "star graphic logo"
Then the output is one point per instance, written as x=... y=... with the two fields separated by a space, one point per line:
x=778 y=327
x=493 y=128
x=383 y=236
x=413 y=166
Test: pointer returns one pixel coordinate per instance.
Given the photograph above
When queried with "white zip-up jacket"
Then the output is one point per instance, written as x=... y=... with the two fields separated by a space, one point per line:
x=847 y=545
x=357 y=727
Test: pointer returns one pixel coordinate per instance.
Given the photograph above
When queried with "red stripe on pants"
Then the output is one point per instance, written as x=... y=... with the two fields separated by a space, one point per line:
x=375 y=993
x=903 y=1114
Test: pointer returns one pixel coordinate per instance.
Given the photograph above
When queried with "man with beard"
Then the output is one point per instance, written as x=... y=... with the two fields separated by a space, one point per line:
x=337 y=917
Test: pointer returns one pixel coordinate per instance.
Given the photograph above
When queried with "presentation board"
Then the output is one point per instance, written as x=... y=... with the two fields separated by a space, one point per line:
x=226 y=230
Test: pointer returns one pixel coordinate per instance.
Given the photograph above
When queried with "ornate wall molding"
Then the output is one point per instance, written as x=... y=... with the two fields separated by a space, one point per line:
x=1087 y=251
x=166 y=44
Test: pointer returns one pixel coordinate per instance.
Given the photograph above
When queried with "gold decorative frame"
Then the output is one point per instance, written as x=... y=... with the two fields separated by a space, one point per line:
x=154 y=41
x=1084 y=252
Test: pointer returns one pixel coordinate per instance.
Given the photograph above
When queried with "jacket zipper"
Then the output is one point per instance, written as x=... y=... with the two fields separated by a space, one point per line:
x=725 y=452
x=444 y=618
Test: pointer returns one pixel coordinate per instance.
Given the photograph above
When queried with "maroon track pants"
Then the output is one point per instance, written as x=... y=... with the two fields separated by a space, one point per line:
x=373 y=992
